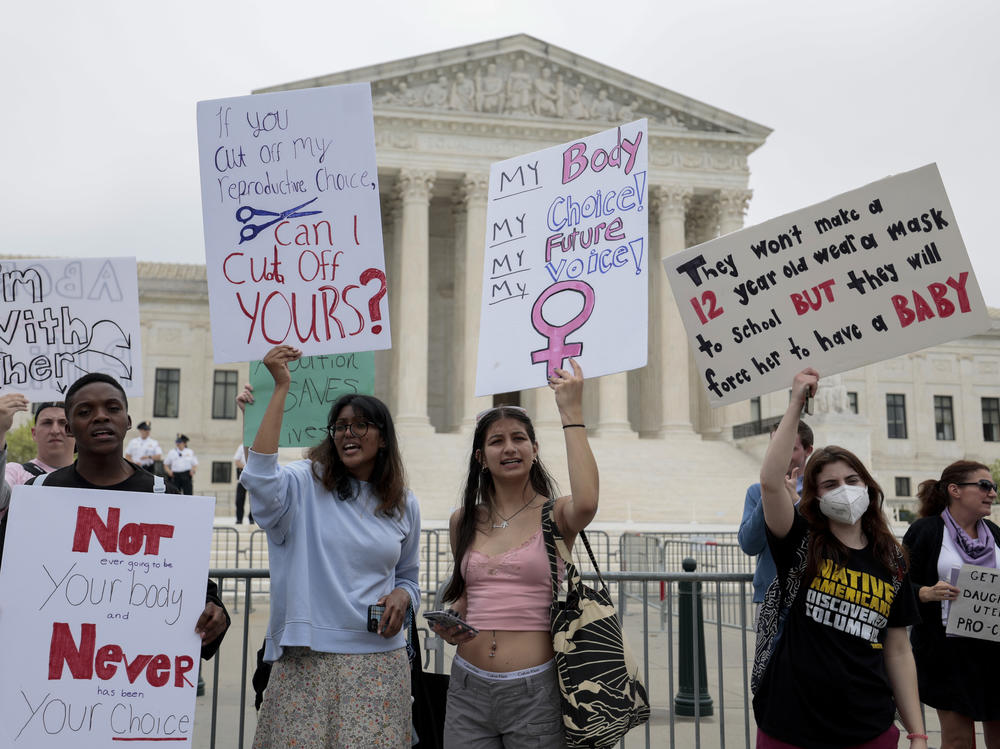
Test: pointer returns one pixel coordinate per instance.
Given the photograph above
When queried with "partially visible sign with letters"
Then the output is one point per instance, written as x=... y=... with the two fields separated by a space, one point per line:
x=61 y=319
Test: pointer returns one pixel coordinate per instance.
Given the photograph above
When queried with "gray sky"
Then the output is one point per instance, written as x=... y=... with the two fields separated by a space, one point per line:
x=98 y=126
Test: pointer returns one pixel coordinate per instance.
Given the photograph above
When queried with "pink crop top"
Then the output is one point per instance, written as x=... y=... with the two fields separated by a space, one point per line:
x=512 y=590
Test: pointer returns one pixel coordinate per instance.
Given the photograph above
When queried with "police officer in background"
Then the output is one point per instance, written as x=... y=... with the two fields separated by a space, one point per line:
x=143 y=450
x=181 y=465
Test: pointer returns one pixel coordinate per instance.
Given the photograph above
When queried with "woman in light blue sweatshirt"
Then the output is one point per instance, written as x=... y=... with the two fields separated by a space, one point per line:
x=343 y=533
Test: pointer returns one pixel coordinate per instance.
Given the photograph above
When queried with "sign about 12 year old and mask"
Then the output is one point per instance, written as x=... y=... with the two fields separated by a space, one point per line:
x=61 y=319
x=101 y=593
x=868 y=275
x=564 y=273
x=293 y=230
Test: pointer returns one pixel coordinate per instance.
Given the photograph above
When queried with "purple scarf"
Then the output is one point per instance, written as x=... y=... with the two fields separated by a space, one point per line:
x=980 y=551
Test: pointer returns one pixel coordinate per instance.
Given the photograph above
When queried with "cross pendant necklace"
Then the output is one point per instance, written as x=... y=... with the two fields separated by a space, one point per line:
x=505 y=522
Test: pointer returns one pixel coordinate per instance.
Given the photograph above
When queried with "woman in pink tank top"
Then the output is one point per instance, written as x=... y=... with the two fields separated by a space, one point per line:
x=503 y=690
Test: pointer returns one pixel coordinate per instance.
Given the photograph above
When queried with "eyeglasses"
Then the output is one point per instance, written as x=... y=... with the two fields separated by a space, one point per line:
x=518 y=409
x=358 y=428
x=985 y=484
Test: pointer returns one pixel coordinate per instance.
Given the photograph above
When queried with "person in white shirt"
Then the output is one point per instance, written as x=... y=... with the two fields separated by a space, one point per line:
x=181 y=464
x=144 y=450
x=240 y=459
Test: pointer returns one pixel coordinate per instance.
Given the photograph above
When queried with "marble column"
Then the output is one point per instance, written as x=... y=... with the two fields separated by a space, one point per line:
x=470 y=237
x=702 y=225
x=411 y=332
x=669 y=354
x=385 y=367
x=612 y=408
x=732 y=209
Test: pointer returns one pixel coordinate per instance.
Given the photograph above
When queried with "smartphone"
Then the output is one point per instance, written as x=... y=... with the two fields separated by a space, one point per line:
x=375 y=612
x=450 y=619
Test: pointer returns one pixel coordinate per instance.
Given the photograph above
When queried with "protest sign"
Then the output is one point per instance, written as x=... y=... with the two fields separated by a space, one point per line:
x=868 y=275
x=565 y=267
x=976 y=611
x=61 y=319
x=101 y=592
x=317 y=383
x=293 y=231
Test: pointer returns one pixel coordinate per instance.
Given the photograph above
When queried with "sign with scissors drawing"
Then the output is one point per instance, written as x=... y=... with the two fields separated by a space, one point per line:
x=61 y=319
x=293 y=229
x=565 y=268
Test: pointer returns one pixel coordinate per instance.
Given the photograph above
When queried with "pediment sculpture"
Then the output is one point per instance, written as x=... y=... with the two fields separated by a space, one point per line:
x=526 y=85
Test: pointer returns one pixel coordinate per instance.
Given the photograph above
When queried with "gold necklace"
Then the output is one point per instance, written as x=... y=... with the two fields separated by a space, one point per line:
x=506 y=521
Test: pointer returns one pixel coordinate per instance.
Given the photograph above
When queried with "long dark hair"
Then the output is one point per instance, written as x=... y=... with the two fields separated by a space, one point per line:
x=388 y=478
x=933 y=495
x=479 y=491
x=823 y=544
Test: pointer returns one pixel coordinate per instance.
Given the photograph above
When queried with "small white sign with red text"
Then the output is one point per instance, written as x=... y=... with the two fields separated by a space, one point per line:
x=100 y=592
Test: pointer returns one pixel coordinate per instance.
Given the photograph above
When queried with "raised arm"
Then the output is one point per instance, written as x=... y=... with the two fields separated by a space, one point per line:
x=10 y=404
x=779 y=511
x=575 y=512
x=276 y=360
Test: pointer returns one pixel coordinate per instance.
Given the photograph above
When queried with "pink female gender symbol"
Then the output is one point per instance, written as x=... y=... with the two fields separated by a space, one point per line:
x=558 y=349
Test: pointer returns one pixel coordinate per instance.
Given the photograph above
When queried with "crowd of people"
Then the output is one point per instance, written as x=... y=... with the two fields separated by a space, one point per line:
x=850 y=622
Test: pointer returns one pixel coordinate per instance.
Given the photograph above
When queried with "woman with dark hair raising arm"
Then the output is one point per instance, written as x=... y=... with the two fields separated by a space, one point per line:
x=842 y=664
x=343 y=533
x=957 y=675
x=503 y=689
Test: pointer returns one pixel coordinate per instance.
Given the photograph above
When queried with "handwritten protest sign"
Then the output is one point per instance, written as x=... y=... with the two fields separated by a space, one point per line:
x=868 y=275
x=61 y=319
x=565 y=268
x=317 y=383
x=293 y=232
x=101 y=592
x=976 y=611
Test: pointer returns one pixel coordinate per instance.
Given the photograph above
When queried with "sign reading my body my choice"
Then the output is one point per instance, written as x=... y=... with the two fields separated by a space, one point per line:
x=101 y=591
x=868 y=275
x=565 y=267
x=293 y=230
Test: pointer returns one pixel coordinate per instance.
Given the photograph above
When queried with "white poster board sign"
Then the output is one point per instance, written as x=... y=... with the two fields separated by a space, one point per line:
x=565 y=267
x=100 y=592
x=976 y=611
x=868 y=275
x=293 y=231
x=60 y=319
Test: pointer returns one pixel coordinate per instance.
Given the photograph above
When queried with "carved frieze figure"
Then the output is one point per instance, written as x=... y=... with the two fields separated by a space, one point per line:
x=436 y=94
x=402 y=96
x=628 y=112
x=519 y=89
x=575 y=107
x=547 y=95
x=603 y=108
x=489 y=91
x=463 y=93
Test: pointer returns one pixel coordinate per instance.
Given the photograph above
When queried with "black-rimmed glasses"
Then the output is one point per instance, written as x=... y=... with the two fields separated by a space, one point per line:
x=985 y=484
x=358 y=428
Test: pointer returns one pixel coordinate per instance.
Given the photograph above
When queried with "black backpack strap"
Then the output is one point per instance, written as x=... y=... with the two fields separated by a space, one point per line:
x=33 y=468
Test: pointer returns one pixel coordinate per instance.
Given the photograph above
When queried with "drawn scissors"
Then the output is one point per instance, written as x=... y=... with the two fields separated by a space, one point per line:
x=250 y=231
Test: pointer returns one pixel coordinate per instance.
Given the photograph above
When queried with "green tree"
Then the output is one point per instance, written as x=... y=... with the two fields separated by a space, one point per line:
x=995 y=470
x=20 y=446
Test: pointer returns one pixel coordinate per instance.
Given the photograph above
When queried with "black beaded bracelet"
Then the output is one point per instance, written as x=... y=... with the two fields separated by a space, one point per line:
x=567 y=426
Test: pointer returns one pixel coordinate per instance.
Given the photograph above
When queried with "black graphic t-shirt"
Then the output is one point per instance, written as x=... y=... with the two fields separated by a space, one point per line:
x=826 y=685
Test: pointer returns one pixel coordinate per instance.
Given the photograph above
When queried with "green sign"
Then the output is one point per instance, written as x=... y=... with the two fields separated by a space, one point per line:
x=317 y=382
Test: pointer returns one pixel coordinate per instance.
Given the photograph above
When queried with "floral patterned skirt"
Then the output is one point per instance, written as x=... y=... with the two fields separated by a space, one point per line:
x=336 y=701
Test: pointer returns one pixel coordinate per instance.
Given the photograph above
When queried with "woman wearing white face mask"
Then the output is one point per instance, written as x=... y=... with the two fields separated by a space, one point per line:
x=842 y=664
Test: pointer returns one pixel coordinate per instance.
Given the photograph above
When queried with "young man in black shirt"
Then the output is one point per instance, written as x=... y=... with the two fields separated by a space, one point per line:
x=97 y=410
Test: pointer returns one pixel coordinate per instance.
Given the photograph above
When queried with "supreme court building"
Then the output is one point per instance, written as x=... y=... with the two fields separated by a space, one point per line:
x=666 y=457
